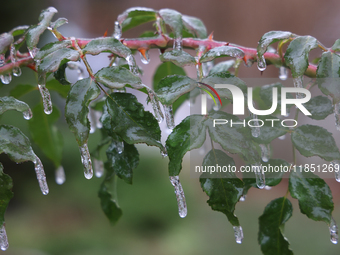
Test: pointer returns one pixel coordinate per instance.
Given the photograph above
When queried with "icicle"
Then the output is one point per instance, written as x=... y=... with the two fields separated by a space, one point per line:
x=33 y=51
x=238 y=232
x=46 y=98
x=259 y=174
x=283 y=73
x=132 y=64
x=282 y=137
x=98 y=167
x=261 y=63
x=3 y=238
x=144 y=56
x=178 y=41
x=6 y=78
x=16 y=71
x=298 y=83
x=118 y=31
x=120 y=147
x=60 y=175
x=27 y=114
x=155 y=106
x=182 y=206
x=2 y=59
x=333 y=230
x=336 y=165
x=337 y=115
x=76 y=66
x=255 y=131
x=243 y=198
x=169 y=117
x=39 y=170
x=86 y=161
x=265 y=152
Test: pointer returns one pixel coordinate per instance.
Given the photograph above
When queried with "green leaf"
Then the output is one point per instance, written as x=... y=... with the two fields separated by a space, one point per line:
x=195 y=26
x=76 y=109
x=22 y=89
x=173 y=19
x=312 y=140
x=188 y=135
x=136 y=16
x=6 y=193
x=45 y=134
x=15 y=144
x=123 y=163
x=270 y=236
x=313 y=193
x=222 y=67
x=116 y=77
x=270 y=38
x=10 y=103
x=320 y=107
x=296 y=55
x=336 y=46
x=178 y=57
x=34 y=32
x=170 y=88
x=222 y=51
x=56 y=86
x=60 y=76
x=6 y=40
x=19 y=30
x=52 y=47
x=224 y=189
x=108 y=196
x=131 y=122
x=107 y=44
x=328 y=74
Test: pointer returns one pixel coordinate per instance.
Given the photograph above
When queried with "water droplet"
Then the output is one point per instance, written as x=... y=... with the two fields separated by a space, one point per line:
x=261 y=63
x=132 y=64
x=120 y=147
x=282 y=137
x=178 y=41
x=169 y=116
x=298 y=83
x=86 y=161
x=255 y=131
x=2 y=59
x=117 y=31
x=337 y=115
x=6 y=78
x=336 y=165
x=155 y=106
x=45 y=94
x=41 y=177
x=283 y=73
x=259 y=174
x=98 y=167
x=144 y=56
x=243 y=198
x=182 y=206
x=60 y=175
x=27 y=114
x=3 y=238
x=16 y=71
x=238 y=232
x=267 y=187
x=333 y=230
x=164 y=153
x=265 y=152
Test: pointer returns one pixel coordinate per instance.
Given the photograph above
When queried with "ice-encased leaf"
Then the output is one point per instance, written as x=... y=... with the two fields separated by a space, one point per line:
x=172 y=18
x=45 y=134
x=59 y=22
x=108 y=196
x=131 y=122
x=328 y=75
x=6 y=40
x=188 y=135
x=170 y=88
x=195 y=26
x=116 y=77
x=222 y=51
x=178 y=57
x=76 y=109
x=312 y=140
x=34 y=32
x=10 y=103
x=123 y=163
x=136 y=16
x=19 y=30
x=106 y=44
x=224 y=189
x=6 y=193
x=269 y=38
x=52 y=47
x=15 y=144
x=320 y=107
x=222 y=66
x=297 y=53
x=313 y=194
x=336 y=45
x=270 y=236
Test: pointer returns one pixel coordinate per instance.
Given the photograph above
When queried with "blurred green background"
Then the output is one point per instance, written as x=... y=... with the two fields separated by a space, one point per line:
x=69 y=220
